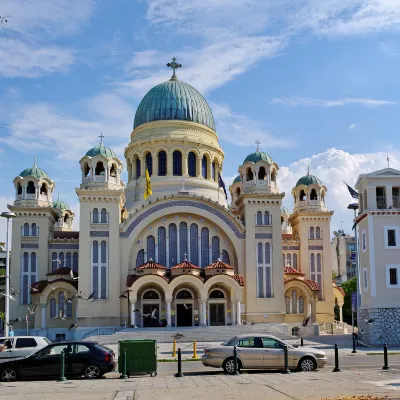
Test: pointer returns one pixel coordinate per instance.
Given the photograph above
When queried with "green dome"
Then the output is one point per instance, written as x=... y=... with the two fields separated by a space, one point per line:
x=237 y=179
x=258 y=156
x=284 y=210
x=174 y=100
x=103 y=150
x=61 y=205
x=308 y=180
x=34 y=171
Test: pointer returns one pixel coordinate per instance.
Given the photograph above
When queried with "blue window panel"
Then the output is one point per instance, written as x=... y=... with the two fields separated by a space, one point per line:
x=103 y=251
x=266 y=218
x=25 y=289
x=138 y=168
x=289 y=260
x=68 y=260
x=95 y=215
x=268 y=282
x=213 y=172
x=149 y=163
x=294 y=261
x=194 y=244
x=204 y=167
x=162 y=246
x=301 y=305
x=61 y=258
x=69 y=310
x=61 y=301
x=53 y=308
x=151 y=248
x=173 y=245
x=267 y=253
x=103 y=216
x=260 y=259
x=53 y=261
x=177 y=163
x=75 y=262
x=33 y=262
x=34 y=230
x=95 y=251
x=192 y=164
x=225 y=257
x=259 y=218
x=95 y=281
x=26 y=229
x=205 y=242
x=312 y=269
x=140 y=258
x=103 y=282
x=215 y=248
x=162 y=163
x=183 y=242
x=260 y=281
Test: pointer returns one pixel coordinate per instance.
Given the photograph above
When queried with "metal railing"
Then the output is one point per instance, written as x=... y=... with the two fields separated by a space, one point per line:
x=381 y=202
x=266 y=328
x=105 y=330
x=396 y=201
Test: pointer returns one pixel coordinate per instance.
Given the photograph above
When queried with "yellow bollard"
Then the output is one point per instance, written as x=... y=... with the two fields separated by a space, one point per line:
x=194 y=350
x=174 y=349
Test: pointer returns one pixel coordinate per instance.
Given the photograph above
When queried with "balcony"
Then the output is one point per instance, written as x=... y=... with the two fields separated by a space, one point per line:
x=30 y=196
x=43 y=197
x=381 y=202
x=61 y=224
x=396 y=201
x=99 y=178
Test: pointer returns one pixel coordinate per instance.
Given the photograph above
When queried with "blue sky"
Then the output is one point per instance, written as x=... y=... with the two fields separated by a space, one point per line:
x=316 y=82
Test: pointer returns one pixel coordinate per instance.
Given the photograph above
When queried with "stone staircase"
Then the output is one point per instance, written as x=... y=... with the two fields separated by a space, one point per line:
x=200 y=334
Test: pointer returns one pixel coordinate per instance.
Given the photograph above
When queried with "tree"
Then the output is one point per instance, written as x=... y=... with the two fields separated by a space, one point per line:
x=348 y=287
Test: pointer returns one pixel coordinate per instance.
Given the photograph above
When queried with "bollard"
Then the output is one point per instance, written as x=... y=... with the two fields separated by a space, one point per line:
x=301 y=342
x=336 y=369
x=354 y=343
x=385 y=358
x=179 y=374
x=194 y=349
x=235 y=362
x=174 y=348
x=332 y=328
x=123 y=374
x=62 y=377
x=286 y=355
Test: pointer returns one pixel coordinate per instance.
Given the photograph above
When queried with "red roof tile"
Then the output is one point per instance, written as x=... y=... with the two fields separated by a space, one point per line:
x=311 y=284
x=151 y=265
x=62 y=271
x=219 y=265
x=41 y=285
x=292 y=271
x=66 y=235
x=185 y=265
x=189 y=274
x=340 y=290
x=238 y=278
x=287 y=236
x=130 y=279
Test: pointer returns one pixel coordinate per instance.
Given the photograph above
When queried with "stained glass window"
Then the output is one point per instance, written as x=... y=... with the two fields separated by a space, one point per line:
x=75 y=262
x=192 y=164
x=289 y=259
x=319 y=277
x=177 y=163
x=138 y=172
x=267 y=253
x=151 y=248
x=162 y=163
x=69 y=310
x=95 y=251
x=173 y=245
x=183 y=240
x=205 y=242
x=162 y=246
x=287 y=302
x=225 y=257
x=140 y=258
x=61 y=301
x=61 y=258
x=149 y=163
x=312 y=266
x=194 y=244
x=68 y=260
x=312 y=233
x=204 y=167
x=215 y=248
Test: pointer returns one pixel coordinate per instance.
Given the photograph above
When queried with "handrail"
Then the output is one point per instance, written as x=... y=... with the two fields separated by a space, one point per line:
x=264 y=327
x=105 y=330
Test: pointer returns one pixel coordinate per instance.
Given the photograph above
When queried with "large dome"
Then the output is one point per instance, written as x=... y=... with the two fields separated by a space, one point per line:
x=308 y=180
x=258 y=156
x=174 y=100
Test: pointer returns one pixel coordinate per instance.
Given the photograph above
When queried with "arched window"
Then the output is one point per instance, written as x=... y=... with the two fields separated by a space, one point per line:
x=319 y=277
x=259 y=218
x=225 y=257
x=303 y=196
x=249 y=174
x=213 y=172
x=237 y=193
x=140 y=258
x=184 y=294
x=103 y=216
x=53 y=261
x=217 y=294
x=25 y=279
x=162 y=246
x=289 y=260
x=138 y=168
x=267 y=253
x=61 y=299
x=183 y=241
x=215 y=248
x=34 y=230
x=294 y=265
x=313 y=195
x=43 y=189
x=68 y=312
x=19 y=188
x=75 y=262
x=312 y=233
x=61 y=258
x=66 y=218
x=301 y=305
x=205 y=242
x=68 y=260
x=204 y=167
x=162 y=163
x=312 y=267
x=177 y=163
x=260 y=272
x=103 y=281
x=194 y=244
x=113 y=171
x=103 y=252
x=149 y=163
x=294 y=302
x=260 y=258
x=267 y=220
x=95 y=281
x=173 y=245
x=95 y=215
x=287 y=302
x=30 y=189
x=99 y=170
x=86 y=169
x=273 y=178
x=261 y=174
x=26 y=229
x=95 y=251
x=53 y=308
x=318 y=232
x=151 y=248
x=151 y=295
x=192 y=164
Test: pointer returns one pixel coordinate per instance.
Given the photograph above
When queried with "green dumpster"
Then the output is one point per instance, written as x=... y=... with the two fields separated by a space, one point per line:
x=141 y=356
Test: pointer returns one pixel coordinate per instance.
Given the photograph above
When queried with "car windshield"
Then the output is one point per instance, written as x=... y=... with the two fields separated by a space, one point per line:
x=229 y=342
x=47 y=340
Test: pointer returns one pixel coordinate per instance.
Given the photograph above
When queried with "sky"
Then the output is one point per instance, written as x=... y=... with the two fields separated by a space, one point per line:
x=316 y=82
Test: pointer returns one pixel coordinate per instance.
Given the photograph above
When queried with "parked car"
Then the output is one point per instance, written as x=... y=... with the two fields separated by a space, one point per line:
x=21 y=346
x=262 y=352
x=87 y=359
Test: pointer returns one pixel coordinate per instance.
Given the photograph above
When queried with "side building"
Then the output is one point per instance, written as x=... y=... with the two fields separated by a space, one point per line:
x=343 y=251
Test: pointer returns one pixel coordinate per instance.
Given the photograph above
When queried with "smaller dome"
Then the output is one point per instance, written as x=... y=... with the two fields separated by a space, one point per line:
x=308 y=180
x=258 y=156
x=103 y=150
x=34 y=171
x=284 y=210
x=61 y=205
x=238 y=179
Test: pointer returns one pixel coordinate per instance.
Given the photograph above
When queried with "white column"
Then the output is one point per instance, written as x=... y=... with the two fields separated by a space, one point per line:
x=188 y=241
x=238 y=320
x=168 y=302
x=178 y=253
x=203 y=320
x=133 y=314
x=167 y=250
x=199 y=244
x=341 y=313
x=44 y=309
x=389 y=198
x=309 y=308
x=233 y=313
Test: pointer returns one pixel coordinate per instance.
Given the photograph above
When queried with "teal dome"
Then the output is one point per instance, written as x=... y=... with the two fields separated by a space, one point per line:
x=308 y=180
x=284 y=210
x=61 y=205
x=237 y=179
x=103 y=150
x=34 y=171
x=258 y=156
x=174 y=100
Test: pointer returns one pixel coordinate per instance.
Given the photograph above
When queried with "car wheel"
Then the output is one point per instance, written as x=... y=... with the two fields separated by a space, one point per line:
x=229 y=366
x=307 y=364
x=92 y=372
x=9 y=375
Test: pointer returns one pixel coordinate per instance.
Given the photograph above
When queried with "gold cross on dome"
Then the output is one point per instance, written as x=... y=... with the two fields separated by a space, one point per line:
x=258 y=145
x=101 y=138
x=174 y=65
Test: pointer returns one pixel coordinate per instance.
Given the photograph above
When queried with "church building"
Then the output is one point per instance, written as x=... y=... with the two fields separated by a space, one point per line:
x=165 y=248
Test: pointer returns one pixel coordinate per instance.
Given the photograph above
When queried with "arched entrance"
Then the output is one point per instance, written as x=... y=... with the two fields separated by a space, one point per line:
x=184 y=308
x=217 y=308
x=151 y=308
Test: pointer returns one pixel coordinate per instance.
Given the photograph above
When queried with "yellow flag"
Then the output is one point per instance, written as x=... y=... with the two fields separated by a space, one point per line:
x=148 y=190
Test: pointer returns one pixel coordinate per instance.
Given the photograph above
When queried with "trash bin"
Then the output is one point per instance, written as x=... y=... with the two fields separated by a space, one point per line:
x=141 y=356
x=295 y=331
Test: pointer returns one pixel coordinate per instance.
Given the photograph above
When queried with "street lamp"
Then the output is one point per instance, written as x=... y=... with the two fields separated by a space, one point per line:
x=8 y=215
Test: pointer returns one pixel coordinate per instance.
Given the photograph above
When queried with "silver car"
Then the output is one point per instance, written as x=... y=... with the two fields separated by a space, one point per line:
x=262 y=352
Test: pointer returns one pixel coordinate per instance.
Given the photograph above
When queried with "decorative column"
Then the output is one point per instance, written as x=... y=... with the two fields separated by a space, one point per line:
x=313 y=311
x=184 y=164
x=309 y=308
x=188 y=241
x=168 y=302
x=238 y=319
x=178 y=240
x=341 y=313
x=233 y=313
x=198 y=167
x=44 y=310
x=199 y=246
x=169 y=164
x=143 y=167
x=389 y=197
x=203 y=314
x=132 y=312
x=216 y=178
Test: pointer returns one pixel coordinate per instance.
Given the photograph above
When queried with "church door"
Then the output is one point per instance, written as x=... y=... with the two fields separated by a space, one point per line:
x=217 y=314
x=184 y=314
x=151 y=315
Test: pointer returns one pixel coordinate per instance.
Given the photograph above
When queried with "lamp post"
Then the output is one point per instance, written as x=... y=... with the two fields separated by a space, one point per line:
x=8 y=215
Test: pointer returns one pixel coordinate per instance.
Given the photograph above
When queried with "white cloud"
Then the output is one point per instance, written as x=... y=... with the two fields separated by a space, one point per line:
x=353 y=126
x=295 y=101
x=390 y=49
